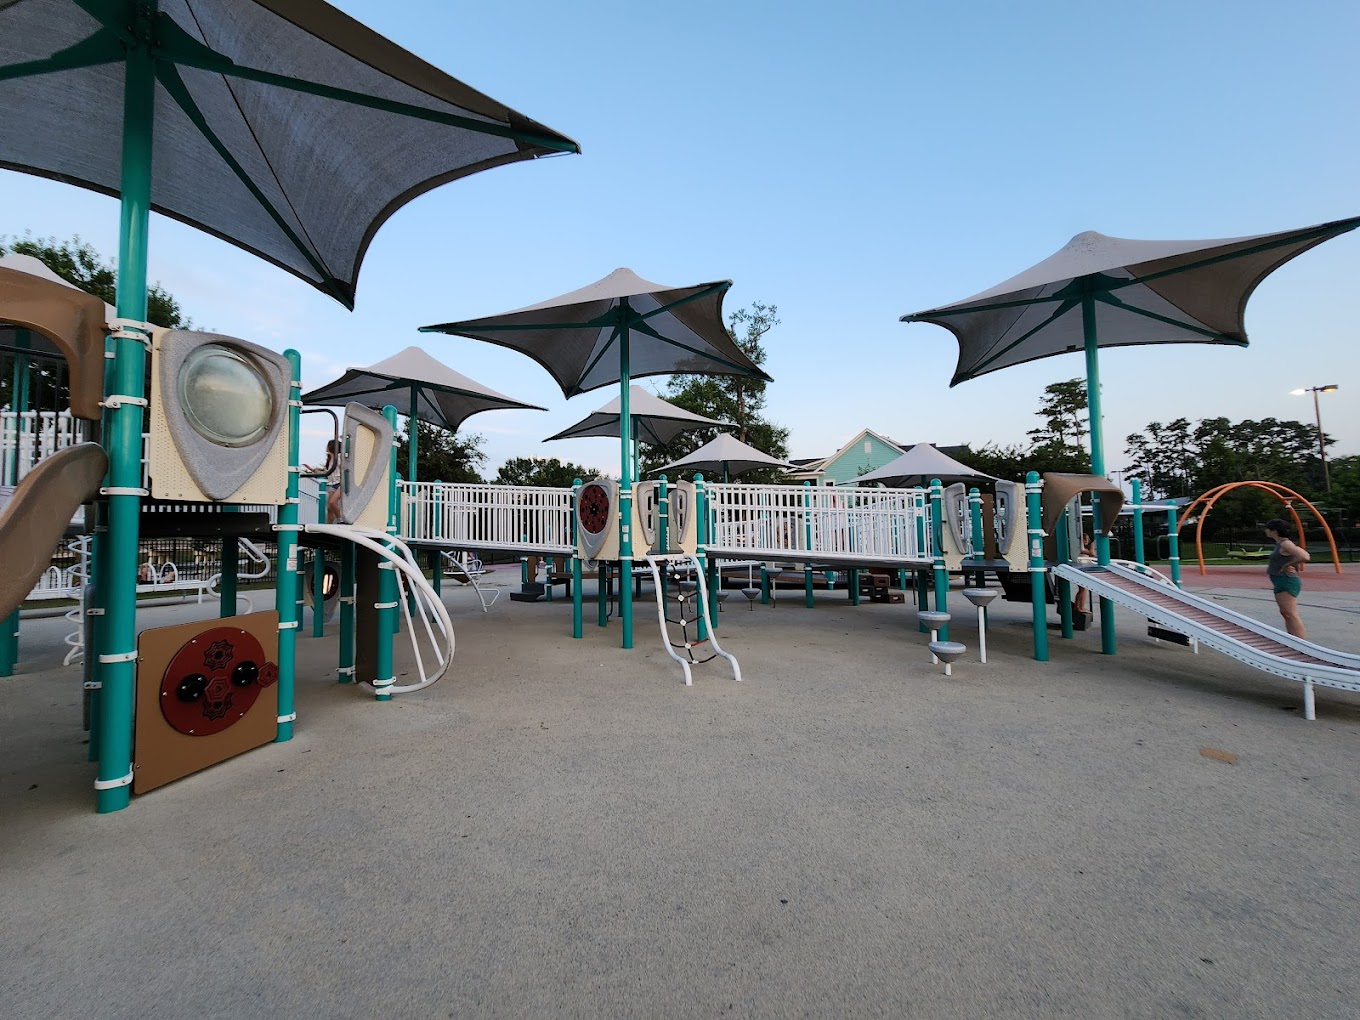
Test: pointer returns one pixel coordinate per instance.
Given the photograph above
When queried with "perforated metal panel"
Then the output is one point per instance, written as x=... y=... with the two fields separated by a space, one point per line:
x=166 y=454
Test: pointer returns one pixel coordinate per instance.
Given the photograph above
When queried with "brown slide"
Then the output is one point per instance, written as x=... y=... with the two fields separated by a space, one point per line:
x=36 y=517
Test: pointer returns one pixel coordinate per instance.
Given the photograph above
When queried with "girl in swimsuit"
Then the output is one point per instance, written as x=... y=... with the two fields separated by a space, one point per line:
x=1283 y=569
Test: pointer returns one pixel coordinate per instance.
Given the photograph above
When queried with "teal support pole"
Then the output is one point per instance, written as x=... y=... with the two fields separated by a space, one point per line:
x=9 y=643
x=388 y=598
x=1063 y=548
x=122 y=438
x=20 y=400
x=394 y=528
x=412 y=445
x=345 y=672
x=807 y=539
x=854 y=586
x=975 y=519
x=577 y=598
x=625 y=484
x=286 y=589
x=1139 y=553
x=664 y=529
x=1088 y=322
x=1173 y=546
x=1034 y=513
x=701 y=541
x=602 y=591
x=937 y=526
x=319 y=569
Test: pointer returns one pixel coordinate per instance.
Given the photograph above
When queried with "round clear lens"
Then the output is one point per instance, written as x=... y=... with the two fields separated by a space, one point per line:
x=225 y=397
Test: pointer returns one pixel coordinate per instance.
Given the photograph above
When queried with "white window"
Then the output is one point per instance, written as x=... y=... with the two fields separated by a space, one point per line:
x=868 y=446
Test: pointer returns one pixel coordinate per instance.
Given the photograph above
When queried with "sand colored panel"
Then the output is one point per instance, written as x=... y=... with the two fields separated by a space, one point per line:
x=1059 y=489
x=35 y=518
x=366 y=461
x=201 y=696
x=71 y=319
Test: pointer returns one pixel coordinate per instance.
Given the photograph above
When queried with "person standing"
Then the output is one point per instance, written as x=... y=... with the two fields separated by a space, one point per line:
x=1284 y=567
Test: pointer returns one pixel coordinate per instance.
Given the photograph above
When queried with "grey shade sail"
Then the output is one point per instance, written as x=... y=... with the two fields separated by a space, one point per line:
x=281 y=126
x=669 y=330
x=728 y=455
x=655 y=421
x=1143 y=292
x=414 y=382
x=921 y=464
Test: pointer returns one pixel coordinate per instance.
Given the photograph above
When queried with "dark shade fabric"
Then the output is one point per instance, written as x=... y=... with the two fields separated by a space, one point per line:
x=443 y=397
x=920 y=466
x=575 y=336
x=655 y=421
x=726 y=451
x=1147 y=292
x=301 y=180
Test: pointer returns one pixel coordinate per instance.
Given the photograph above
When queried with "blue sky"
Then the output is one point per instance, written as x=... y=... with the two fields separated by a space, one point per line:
x=848 y=163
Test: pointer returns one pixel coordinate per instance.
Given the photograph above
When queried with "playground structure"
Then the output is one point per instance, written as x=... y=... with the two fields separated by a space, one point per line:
x=1198 y=512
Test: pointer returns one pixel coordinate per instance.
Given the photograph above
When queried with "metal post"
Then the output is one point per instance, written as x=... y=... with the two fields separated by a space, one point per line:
x=1035 y=515
x=975 y=519
x=1322 y=446
x=319 y=568
x=9 y=643
x=701 y=543
x=625 y=485
x=577 y=598
x=285 y=590
x=1063 y=549
x=1138 y=551
x=807 y=534
x=437 y=532
x=937 y=526
x=663 y=531
x=387 y=580
x=1088 y=322
x=345 y=673
x=1173 y=546
x=853 y=578
x=123 y=438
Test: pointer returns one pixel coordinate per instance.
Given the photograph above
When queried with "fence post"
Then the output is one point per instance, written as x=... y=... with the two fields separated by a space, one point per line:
x=388 y=596
x=701 y=542
x=9 y=643
x=437 y=561
x=1034 y=513
x=663 y=535
x=1063 y=548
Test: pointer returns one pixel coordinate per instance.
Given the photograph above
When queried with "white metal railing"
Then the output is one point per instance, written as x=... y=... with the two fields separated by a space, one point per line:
x=811 y=523
x=511 y=517
x=27 y=437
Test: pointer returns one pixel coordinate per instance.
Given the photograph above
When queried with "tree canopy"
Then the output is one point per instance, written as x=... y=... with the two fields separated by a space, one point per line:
x=441 y=455
x=739 y=400
x=547 y=471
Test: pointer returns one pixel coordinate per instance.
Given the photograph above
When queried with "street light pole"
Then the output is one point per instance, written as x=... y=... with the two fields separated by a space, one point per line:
x=1317 y=415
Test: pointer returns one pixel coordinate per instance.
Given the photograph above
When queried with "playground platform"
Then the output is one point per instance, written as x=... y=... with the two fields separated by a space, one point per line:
x=560 y=827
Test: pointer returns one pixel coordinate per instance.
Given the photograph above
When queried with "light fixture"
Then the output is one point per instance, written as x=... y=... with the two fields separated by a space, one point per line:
x=1317 y=414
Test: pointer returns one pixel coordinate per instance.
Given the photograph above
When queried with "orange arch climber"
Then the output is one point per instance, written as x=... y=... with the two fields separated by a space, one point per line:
x=1205 y=502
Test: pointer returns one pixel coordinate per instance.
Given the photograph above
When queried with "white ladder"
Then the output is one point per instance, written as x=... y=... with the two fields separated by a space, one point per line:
x=471 y=576
x=686 y=645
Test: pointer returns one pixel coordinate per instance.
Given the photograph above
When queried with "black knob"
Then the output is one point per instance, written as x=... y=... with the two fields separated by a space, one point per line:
x=191 y=688
x=245 y=674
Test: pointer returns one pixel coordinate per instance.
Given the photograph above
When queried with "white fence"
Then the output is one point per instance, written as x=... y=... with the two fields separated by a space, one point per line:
x=819 y=523
x=29 y=436
x=511 y=517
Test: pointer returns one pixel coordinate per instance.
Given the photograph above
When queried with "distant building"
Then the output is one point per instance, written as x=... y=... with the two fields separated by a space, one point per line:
x=868 y=451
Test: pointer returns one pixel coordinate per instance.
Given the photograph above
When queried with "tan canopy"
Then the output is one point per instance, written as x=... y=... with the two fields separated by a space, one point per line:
x=1060 y=488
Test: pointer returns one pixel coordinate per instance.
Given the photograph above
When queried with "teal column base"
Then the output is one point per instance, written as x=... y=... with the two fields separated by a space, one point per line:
x=807 y=587
x=764 y=586
x=9 y=644
x=602 y=591
x=577 y=600
x=854 y=587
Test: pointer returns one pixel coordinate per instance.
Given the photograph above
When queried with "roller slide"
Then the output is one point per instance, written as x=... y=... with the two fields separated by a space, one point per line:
x=1223 y=630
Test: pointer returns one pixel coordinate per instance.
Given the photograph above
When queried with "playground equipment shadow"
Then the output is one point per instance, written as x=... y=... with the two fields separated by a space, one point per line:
x=561 y=827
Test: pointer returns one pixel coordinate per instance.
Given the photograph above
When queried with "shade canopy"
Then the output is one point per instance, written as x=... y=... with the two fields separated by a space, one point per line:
x=728 y=456
x=920 y=465
x=282 y=126
x=415 y=383
x=655 y=421
x=1140 y=292
x=577 y=337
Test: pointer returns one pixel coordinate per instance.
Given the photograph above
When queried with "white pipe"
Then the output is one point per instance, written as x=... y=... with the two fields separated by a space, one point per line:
x=402 y=560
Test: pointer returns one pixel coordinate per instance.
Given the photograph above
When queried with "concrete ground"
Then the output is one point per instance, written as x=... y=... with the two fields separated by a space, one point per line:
x=561 y=828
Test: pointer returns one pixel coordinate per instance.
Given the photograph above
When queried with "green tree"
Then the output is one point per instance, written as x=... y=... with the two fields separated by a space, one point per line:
x=441 y=455
x=547 y=471
x=1063 y=409
x=79 y=264
x=739 y=400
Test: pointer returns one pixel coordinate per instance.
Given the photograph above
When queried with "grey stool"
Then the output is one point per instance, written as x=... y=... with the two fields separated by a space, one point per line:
x=934 y=621
x=981 y=597
x=947 y=652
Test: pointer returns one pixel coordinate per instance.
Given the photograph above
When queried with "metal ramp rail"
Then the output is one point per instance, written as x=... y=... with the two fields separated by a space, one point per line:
x=507 y=518
x=654 y=561
x=1223 y=630
x=820 y=525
